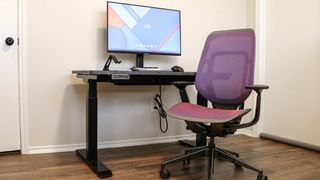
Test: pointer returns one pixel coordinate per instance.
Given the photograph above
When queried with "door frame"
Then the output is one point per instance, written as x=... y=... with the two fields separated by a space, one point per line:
x=261 y=28
x=22 y=77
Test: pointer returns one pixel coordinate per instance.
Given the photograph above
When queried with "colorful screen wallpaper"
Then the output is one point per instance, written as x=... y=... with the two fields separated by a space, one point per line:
x=142 y=29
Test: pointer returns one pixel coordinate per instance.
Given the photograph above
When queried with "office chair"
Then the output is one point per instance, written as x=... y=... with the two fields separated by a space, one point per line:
x=224 y=77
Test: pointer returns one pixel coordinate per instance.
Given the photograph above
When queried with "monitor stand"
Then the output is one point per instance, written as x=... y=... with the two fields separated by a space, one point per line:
x=139 y=64
x=139 y=60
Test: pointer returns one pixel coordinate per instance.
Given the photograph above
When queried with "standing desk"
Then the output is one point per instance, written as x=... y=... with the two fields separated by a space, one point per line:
x=92 y=77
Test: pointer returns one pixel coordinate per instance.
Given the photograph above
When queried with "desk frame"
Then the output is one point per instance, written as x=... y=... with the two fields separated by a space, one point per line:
x=90 y=154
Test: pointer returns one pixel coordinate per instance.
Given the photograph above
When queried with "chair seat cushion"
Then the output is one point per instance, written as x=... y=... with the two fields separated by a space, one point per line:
x=197 y=113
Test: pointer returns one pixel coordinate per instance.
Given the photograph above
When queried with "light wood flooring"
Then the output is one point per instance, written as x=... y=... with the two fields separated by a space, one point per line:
x=279 y=162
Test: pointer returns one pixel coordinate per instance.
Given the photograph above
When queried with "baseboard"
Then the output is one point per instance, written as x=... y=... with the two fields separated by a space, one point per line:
x=290 y=142
x=108 y=144
x=115 y=144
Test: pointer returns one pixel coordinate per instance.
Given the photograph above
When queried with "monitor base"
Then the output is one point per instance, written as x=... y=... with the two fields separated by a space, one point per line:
x=145 y=68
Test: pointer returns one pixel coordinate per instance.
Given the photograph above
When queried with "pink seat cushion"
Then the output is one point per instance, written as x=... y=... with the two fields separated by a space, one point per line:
x=197 y=113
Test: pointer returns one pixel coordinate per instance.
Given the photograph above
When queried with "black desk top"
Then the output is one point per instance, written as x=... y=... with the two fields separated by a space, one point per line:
x=149 y=72
x=128 y=77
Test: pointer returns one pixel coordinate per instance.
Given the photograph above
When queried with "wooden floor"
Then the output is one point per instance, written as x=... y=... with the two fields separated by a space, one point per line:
x=279 y=161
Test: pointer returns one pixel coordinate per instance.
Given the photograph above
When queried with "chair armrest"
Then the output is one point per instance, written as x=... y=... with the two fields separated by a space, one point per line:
x=258 y=89
x=181 y=85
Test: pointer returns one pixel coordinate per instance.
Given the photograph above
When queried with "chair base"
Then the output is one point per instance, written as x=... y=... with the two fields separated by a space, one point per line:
x=212 y=153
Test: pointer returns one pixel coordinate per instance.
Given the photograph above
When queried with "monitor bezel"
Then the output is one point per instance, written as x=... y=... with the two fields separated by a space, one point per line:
x=142 y=52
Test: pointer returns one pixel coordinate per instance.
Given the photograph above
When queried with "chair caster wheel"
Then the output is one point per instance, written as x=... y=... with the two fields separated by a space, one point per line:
x=165 y=173
x=262 y=177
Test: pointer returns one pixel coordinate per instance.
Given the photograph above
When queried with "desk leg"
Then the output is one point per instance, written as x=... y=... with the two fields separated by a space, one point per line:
x=201 y=140
x=90 y=154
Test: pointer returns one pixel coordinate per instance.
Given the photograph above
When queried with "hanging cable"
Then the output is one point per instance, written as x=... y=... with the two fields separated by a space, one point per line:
x=162 y=113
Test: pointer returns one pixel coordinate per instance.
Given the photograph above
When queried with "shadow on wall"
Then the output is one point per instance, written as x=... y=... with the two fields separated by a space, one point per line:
x=72 y=121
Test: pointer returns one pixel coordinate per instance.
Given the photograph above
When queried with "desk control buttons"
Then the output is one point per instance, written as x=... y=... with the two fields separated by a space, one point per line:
x=120 y=76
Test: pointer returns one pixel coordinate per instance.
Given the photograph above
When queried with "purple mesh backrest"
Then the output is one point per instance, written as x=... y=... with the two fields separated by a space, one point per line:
x=227 y=66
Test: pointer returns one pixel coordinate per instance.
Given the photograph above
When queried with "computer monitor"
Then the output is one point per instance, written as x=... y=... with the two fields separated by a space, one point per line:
x=142 y=30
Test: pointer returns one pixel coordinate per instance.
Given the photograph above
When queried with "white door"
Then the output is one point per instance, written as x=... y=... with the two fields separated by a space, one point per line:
x=9 y=96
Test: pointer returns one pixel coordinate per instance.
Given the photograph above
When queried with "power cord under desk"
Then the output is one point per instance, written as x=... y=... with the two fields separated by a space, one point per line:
x=162 y=113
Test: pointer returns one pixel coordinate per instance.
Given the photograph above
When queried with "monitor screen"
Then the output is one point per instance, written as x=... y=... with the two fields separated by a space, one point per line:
x=141 y=29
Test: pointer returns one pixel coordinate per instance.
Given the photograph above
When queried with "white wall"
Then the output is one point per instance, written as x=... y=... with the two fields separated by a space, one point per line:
x=65 y=35
x=293 y=70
